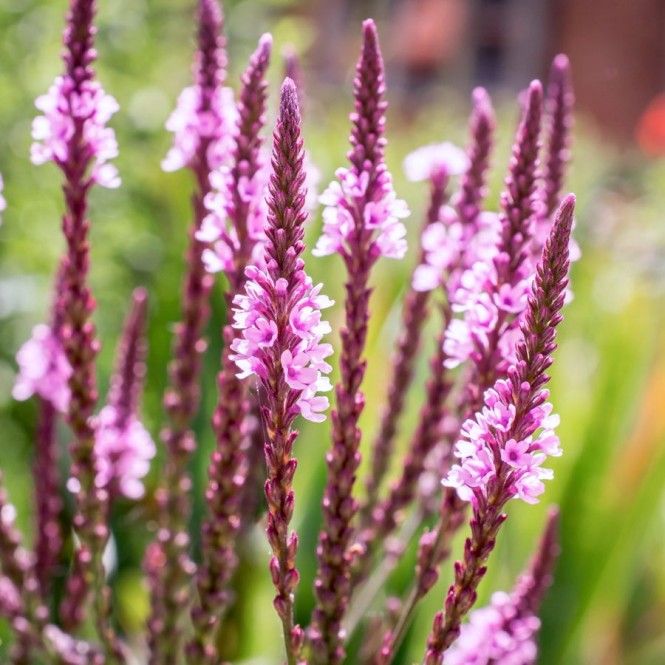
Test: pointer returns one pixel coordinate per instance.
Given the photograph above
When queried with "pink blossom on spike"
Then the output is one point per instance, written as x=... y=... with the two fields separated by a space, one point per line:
x=496 y=634
x=124 y=451
x=190 y=123
x=65 y=105
x=217 y=228
x=257 y=315
x=43 y=369
x=381 y=216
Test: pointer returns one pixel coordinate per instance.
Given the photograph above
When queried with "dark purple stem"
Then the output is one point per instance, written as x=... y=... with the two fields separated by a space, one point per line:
x=48 y=543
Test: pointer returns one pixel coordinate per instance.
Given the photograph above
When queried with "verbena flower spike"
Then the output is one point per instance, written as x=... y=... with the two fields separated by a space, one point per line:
x=202 y=124
x=229 y=464
x=72 y=133
x=361 y=222
x=481 y=435
x=504 y=446
x=281 y=345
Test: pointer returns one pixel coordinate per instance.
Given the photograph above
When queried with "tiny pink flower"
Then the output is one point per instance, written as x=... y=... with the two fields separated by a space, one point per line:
x=43 y=369
x=123 y=454
x=421 y=163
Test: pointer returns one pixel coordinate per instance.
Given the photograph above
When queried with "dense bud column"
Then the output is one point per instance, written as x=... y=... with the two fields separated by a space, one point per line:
x=281 y=325
x=499 y=457
x=72 y=133
x=362 y=223
x=202 y=124
x=228 y=465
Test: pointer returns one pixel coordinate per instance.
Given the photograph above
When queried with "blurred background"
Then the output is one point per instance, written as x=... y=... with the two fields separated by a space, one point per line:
x=608 y=601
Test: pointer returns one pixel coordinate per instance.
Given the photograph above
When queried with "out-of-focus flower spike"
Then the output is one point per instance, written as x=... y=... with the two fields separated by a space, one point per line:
x=503 y=447
x=281 y=325
x=473 y=183
x=72 y=133
x=205 y=115
x=237 y=211
x=203 y=124
x=242 y=212
x=124 y=447
x=293 y=70
x=228 y=466
x=504 y=632
x=532 y=585
x=559 y=104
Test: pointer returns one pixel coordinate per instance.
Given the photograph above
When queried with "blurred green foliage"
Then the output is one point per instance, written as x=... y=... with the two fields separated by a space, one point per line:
x=608 y=600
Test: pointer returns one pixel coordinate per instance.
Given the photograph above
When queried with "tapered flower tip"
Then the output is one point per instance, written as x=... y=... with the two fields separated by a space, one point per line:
x=562 y=227
x=370 y=38
x=140 y=298
x=210 y=14
x=482 y=105
x=534 y=94
x=289 y=111
x=480 y=99
x=265 y=45
x=560 y=65
x=291 y=62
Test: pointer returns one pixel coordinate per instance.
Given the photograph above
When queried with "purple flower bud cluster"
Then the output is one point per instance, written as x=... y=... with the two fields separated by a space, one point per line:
x=189 y=122
x=259 y=315
x=217 y=230
x=77 y=110
x=380 y=227
x=485 y=436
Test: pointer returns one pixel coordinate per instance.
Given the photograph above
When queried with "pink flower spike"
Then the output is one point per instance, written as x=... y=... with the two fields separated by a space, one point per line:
x=43 y=369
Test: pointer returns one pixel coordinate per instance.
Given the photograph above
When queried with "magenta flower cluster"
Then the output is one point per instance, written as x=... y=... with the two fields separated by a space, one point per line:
x=496 y=634
x=257 y=315
x=190 y=122
x=65 y=107
x=381 y=226
x=124 y=451
x=485 y=440
x=43 y=369
x=217 y=231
